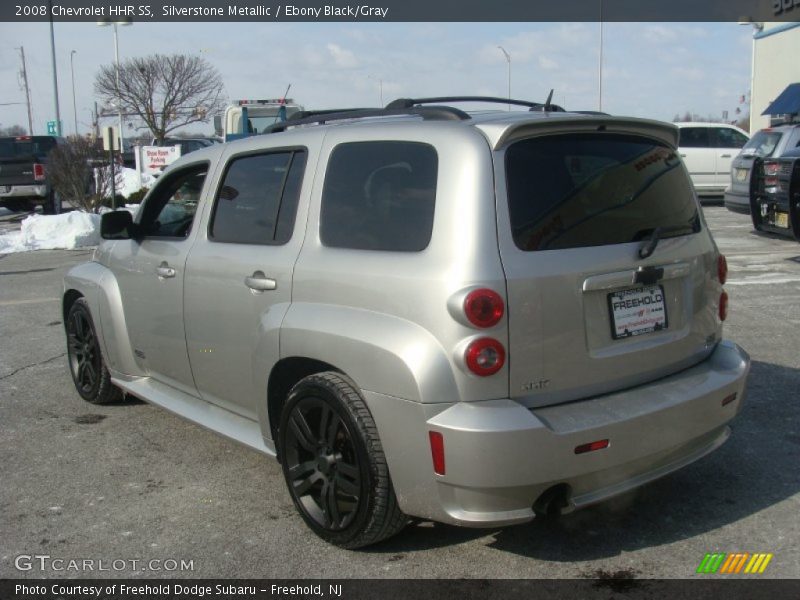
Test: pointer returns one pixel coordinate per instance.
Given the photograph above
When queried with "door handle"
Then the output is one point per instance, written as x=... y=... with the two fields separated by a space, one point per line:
x=164 y=271
x=683 y=156
x=259 y=282
x=724 y=155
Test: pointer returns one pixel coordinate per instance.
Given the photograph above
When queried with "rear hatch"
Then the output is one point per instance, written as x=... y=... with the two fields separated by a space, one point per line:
x=17 y=157
x=587 y=314
x=762 y=145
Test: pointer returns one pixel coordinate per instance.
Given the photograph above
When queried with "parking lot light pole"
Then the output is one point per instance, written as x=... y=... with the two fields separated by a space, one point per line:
x=508 y=60
x=55 y=73
x=757 y=28
x=106 y=23
x=74 y=106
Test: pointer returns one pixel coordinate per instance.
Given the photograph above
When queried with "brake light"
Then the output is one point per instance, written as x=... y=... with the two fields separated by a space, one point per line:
x=485 y=356
x=722 y=269
x=770 y=173
x=437 y=451
x=38 y=171
x=484 y=307
x=723 y=306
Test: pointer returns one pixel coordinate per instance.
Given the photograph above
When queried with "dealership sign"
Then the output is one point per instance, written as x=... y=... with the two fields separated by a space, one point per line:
x=154 y=159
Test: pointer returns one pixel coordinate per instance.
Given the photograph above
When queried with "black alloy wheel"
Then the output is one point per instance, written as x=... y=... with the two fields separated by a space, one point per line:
x=334 y=464
x=89 y=374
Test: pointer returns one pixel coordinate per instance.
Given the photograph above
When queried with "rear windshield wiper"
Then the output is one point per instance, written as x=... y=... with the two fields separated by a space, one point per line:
x=650 y=246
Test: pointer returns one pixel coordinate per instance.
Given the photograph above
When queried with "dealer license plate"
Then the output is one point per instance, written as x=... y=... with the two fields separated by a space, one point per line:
x=637 y=311
x=782 y=220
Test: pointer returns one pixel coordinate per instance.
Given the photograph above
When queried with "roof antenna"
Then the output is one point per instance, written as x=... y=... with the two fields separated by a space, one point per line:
x=281 y=116
x=547 y=102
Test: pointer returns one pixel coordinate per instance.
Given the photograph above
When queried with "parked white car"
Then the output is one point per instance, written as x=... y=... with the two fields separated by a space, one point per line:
x=707 y=150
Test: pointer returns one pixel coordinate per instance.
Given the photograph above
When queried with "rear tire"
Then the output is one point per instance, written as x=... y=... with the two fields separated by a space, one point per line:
x=89 y=373
x=334 y=464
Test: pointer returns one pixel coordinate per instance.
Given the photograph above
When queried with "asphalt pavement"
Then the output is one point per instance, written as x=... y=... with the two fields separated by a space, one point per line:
x=132 y=482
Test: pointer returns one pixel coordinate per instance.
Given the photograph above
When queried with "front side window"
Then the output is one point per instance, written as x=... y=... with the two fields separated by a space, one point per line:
x=730 y=138
x=257 y=201
x=379 y=196
x=170 y=208
x=595 y=189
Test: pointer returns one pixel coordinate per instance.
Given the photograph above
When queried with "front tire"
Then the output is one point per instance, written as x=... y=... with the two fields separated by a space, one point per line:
x=334 y=464
x=89 y=373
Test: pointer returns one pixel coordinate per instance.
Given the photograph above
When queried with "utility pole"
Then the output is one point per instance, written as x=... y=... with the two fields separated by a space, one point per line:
x=27 y=89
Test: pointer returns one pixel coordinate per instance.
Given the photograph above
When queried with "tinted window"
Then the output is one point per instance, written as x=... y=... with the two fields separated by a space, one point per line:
x=257 y=201
x=695 y=137
x=379 y=196
x=26 y=146
x=762 y=143
x=730 y=138
x=170 y=208
x=578 y=190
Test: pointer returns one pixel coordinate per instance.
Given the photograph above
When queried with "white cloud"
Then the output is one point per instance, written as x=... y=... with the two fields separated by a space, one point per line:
x=342 y=58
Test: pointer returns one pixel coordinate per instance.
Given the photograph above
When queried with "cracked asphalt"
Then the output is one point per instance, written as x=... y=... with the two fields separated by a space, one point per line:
x=132 y=482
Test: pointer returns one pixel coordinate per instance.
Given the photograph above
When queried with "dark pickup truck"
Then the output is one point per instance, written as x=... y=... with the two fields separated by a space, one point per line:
x=775 y=195
x=24 y=181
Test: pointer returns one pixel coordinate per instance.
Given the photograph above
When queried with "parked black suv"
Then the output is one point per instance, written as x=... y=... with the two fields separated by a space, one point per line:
x=23 y=173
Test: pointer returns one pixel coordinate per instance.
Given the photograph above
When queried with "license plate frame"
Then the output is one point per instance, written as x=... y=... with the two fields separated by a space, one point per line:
x=637 y=311
x=741 y=174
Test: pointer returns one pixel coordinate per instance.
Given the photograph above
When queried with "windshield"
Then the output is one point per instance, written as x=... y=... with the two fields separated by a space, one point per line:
x=595 y=189
x=762 y=143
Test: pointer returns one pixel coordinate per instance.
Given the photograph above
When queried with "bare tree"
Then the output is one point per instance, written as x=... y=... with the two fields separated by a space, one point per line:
x=165 y=92
x=13 y=130
x=74 y=173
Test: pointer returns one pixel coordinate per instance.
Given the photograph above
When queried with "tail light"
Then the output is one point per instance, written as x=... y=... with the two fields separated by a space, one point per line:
x=38 y=171
x=723 y=306
x=437 y=451
x=770 y=173
x=485 y=356
x=722 y=269
x=484 y=307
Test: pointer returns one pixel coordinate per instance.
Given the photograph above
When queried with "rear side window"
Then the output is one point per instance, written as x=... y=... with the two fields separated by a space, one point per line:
x=257 y=201
x=695 y=137
x=379 y=196
x=595 y=189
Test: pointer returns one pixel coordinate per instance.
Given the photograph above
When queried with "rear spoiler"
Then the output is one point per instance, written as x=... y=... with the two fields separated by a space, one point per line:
x=502 y=134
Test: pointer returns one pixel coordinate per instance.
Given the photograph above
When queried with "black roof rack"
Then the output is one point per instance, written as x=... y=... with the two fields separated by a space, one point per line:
x=532 y=106
x=428 y=113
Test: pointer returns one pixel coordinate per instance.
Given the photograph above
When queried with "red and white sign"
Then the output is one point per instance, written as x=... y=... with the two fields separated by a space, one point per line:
x=153 y=159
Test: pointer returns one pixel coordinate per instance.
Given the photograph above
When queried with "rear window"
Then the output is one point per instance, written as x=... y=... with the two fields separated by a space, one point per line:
x=379 y=196
x=763 y=143
x=19 y=148
x=595 y=189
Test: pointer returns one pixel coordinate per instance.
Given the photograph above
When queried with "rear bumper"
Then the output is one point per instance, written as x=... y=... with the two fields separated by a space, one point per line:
x=500 y=457
x=737 y=202
x=24 y=191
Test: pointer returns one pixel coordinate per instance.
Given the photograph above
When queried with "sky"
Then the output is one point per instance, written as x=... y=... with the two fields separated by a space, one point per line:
x=653 y=70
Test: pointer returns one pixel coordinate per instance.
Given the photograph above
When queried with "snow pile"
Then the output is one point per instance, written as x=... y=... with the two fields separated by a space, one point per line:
x=127 y=181
x=50 y=232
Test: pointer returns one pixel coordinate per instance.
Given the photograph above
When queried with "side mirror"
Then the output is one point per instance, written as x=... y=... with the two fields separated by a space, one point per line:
x=117 y=225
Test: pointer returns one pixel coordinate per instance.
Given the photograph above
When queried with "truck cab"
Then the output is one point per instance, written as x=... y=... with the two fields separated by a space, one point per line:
x=244 y=118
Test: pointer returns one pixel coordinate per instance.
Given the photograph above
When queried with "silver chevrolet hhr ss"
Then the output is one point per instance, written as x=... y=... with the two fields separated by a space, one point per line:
x=421 y=312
